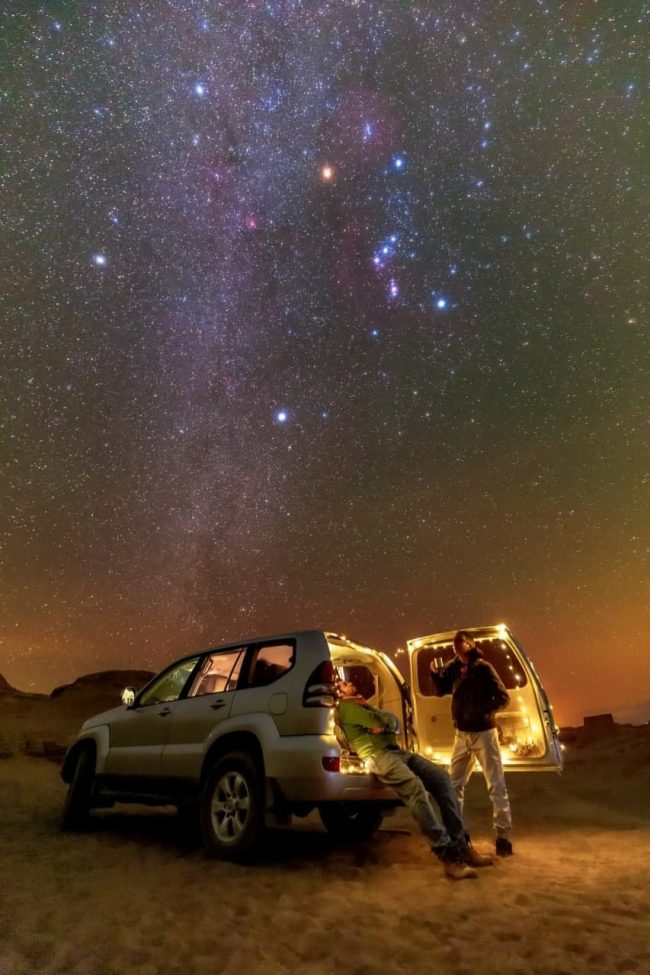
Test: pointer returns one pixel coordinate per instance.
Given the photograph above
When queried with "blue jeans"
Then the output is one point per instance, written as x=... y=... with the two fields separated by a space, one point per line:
x=416 y=781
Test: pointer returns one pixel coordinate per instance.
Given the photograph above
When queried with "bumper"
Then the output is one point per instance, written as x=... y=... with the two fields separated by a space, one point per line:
x=296 y=765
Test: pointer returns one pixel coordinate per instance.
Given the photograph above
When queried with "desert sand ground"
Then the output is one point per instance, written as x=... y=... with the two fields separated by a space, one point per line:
x=135 y=894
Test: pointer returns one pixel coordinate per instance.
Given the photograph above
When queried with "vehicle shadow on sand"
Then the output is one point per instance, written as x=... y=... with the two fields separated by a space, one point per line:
x=304 y=844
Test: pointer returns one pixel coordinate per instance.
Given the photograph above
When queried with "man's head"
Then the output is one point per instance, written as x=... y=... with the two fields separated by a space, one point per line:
x=346 y=688
x=463 y=643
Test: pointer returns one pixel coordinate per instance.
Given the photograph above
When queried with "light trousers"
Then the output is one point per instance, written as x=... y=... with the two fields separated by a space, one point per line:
x=482 y=746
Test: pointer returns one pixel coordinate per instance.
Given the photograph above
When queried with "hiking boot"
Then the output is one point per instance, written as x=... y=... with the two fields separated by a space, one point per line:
x=503 y=847
x=457 y=870
x=473 y=858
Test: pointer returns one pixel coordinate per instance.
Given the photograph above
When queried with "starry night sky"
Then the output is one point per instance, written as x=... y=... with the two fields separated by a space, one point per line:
x=325 y=313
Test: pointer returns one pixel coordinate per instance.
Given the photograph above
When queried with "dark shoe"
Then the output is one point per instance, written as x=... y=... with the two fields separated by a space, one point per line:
x=457 y=870
x=503 y=847
x=475 y=859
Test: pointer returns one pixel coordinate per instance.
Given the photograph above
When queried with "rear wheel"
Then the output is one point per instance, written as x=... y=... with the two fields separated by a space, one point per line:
x=351 y=822
x=76 y=807
x=232 y=808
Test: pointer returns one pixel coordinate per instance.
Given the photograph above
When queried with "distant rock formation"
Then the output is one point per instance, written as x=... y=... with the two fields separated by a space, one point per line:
x=105 y=679
x=43 y=725
x=5 y=687
x=596 y=728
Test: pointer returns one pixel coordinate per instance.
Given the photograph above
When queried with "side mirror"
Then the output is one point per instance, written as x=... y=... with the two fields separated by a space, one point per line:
x=128 y=696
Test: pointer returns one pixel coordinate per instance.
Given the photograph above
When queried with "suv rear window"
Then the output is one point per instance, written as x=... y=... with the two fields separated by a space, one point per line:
x=269 y=663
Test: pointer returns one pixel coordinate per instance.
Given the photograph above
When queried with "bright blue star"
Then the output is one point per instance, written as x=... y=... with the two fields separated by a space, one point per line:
x=99 y=260
x=199 y=89
x=440 y=301
x=281 y=416
x=398 y=162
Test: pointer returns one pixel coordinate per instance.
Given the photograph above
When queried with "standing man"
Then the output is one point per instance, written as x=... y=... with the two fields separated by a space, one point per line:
x=477 y=692
x=371 y=733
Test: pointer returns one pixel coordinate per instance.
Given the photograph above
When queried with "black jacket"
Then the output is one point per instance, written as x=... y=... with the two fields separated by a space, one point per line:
x=476 y=696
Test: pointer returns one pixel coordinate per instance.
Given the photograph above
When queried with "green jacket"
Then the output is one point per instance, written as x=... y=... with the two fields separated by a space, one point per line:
x=356 y=721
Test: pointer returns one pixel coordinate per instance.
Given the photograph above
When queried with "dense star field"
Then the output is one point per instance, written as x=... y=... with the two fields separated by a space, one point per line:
x=322 y=313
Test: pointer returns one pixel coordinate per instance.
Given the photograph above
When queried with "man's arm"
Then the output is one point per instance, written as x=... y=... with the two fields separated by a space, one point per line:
x=356 y=714
x=443 y=680
x=496 y=695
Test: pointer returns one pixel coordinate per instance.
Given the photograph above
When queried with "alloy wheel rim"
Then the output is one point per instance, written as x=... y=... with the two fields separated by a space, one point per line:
x=230 y=807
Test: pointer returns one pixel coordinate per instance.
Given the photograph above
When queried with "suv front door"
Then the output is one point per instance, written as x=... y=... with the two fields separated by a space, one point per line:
x=527 y=732
x=139 y=732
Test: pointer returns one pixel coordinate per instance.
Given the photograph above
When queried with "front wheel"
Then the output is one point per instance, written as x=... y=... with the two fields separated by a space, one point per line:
x=232 y=808
x=351 y=822
x=76 y=807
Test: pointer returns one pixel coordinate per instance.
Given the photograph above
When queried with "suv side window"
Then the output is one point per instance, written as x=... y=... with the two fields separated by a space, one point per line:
x=169 y=686
x=219 y=672
x=270 y=663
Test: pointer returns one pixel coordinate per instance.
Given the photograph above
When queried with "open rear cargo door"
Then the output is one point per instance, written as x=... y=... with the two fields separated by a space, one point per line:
x=527 y=731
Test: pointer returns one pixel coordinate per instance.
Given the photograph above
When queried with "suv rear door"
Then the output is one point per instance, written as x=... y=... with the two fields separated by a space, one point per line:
x=527 y=731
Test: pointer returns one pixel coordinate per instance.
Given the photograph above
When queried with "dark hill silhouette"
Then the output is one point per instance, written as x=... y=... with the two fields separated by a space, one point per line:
x=104 y=680
x=43 y=725
x=7 y=688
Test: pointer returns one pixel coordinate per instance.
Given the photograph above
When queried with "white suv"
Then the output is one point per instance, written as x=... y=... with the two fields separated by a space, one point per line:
x=246 y=734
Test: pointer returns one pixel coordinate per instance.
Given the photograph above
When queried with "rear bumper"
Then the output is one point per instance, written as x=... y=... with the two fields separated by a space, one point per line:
x=296 y=765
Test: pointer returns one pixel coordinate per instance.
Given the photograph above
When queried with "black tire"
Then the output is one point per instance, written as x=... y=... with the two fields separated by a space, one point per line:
x=76 y=807
x=232 y=808
x=350 y=822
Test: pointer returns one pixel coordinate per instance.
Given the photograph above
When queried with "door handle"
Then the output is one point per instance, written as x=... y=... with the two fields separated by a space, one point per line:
x=218 y=704
x=164 y=712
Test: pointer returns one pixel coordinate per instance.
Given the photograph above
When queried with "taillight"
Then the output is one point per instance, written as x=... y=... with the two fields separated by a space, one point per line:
x=331 y=763
x=319 y=689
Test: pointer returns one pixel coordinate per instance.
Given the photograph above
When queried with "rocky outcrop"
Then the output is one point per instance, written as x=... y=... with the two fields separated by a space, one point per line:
x=43 y=725
x=105 y=680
